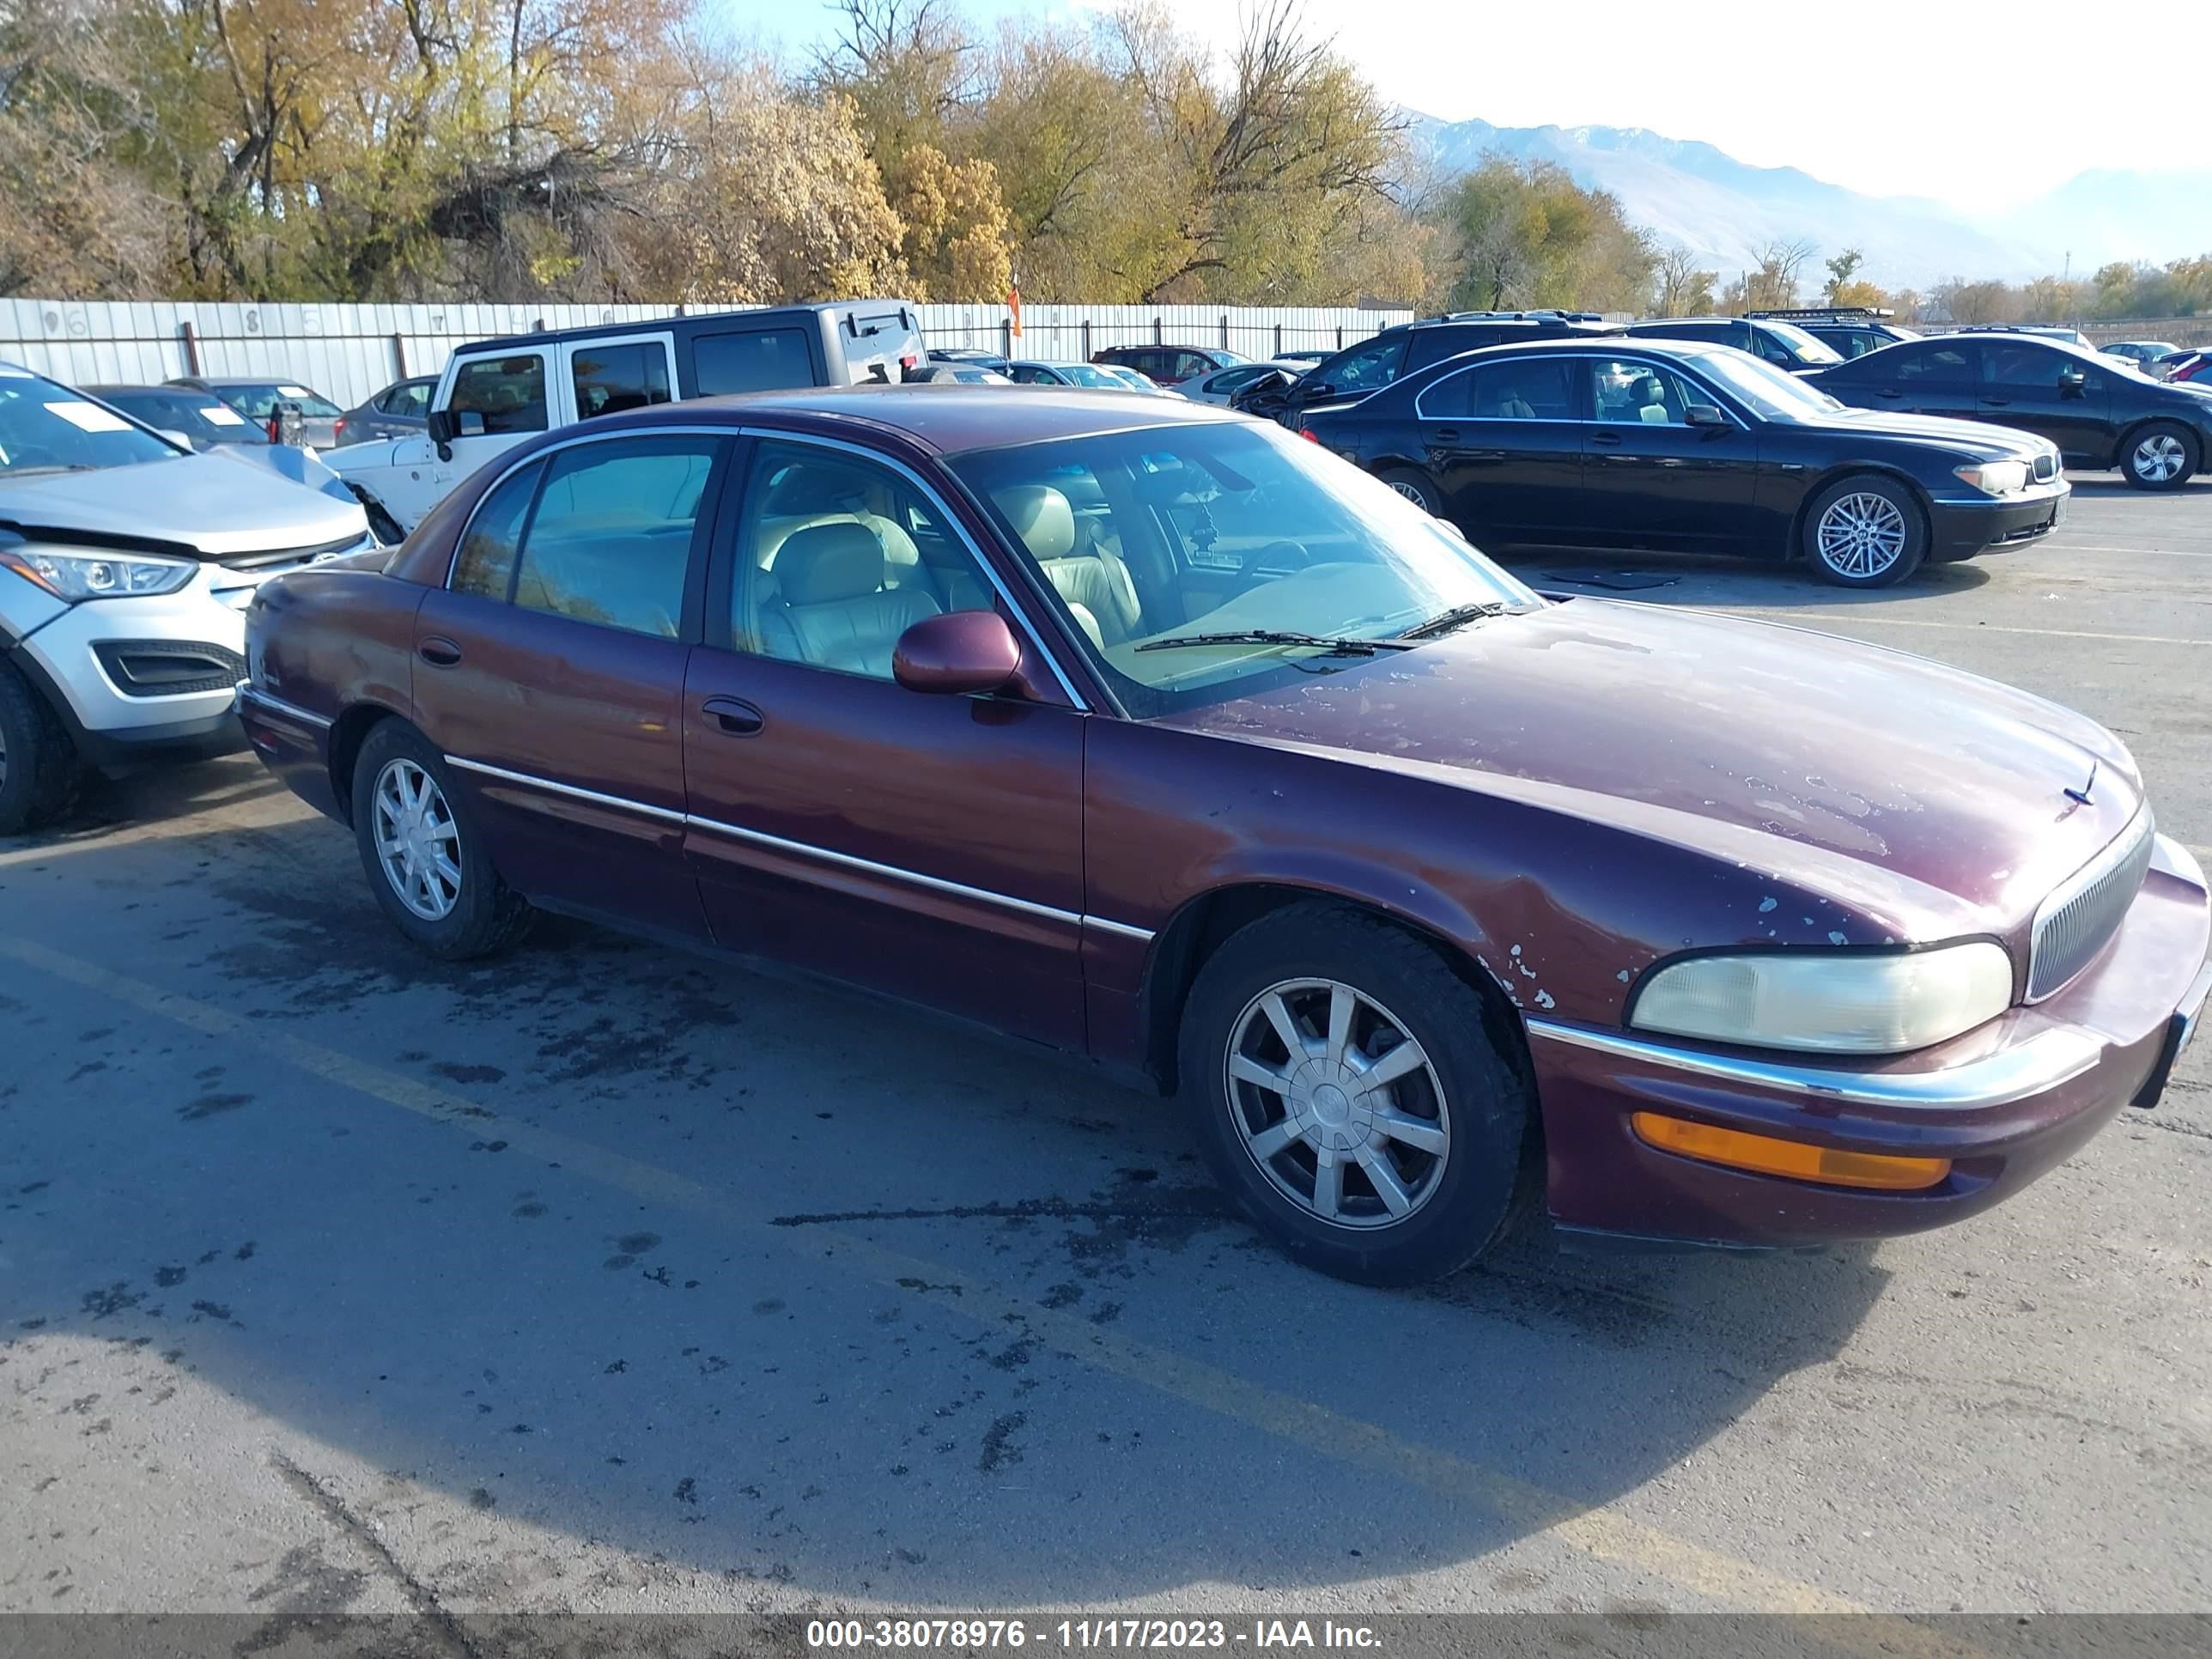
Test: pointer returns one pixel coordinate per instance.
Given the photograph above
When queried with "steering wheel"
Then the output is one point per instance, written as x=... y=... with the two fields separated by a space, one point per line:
x=1294 y=552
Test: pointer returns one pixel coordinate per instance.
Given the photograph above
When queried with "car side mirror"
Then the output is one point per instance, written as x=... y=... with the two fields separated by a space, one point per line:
x=1705 y=415
x=959 y=653
x=2072 y=383
x=441 y=426
x=1316 y=388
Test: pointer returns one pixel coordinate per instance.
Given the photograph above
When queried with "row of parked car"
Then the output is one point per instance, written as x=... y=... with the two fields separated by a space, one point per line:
x=1841 y=440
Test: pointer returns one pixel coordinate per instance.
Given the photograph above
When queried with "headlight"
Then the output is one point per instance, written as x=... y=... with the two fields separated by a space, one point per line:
x=1845 y=1002
x=1994 y=477
x=86 y=576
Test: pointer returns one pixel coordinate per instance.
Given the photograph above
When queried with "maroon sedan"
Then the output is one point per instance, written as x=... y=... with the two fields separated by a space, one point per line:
x=1148 y=732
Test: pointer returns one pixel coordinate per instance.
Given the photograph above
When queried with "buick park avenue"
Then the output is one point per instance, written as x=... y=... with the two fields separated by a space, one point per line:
x=1154 y=734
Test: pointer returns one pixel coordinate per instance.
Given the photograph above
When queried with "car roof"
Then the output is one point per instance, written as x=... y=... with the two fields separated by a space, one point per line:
x=110 y=389
x=271 y=378
x=750 y=316
x=947 y=417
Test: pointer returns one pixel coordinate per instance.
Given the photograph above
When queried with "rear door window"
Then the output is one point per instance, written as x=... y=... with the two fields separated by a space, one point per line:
x=756 y=360
x=610 y=541
x=619 y=376
x=507 y=393
x=1534 y=389
x=485 y=564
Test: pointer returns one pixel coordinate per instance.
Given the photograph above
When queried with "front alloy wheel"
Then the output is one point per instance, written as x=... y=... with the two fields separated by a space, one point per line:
x=1862 y=535
x=417 y=840
x=1355 y=1092
x=1338 y=1105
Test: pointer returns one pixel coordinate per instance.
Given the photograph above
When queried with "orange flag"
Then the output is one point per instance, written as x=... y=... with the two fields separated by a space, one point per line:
x=1014 y=305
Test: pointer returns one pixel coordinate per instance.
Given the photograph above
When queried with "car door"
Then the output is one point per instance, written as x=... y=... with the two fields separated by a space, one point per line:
x=496 y=401
x=1931 y=377
x=1504 y=443
x=2052 y=393
x=1650 y=478
x=550 y=668
x=924 y=845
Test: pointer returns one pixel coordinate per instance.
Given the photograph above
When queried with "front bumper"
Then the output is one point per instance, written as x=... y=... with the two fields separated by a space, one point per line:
x=2004 y=1103
x=1961 y=529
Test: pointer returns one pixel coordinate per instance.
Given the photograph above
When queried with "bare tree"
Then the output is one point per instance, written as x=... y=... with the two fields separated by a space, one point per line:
x=1683 y=289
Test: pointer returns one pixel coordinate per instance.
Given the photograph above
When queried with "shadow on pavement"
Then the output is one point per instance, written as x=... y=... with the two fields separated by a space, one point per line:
x=721 y=1394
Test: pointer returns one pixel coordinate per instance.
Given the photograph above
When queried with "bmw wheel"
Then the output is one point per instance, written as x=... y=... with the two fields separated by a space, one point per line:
x=1865 y=532
x=1355 y=1097
x=2160 y=456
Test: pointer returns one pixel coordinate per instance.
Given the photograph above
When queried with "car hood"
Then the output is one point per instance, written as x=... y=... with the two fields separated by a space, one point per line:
x=210 y=504
x=1928 y=800
x=1979 y=439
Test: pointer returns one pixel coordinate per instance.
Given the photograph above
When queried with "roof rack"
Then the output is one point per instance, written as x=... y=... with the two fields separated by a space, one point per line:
x=1546 y=314
x=1822 y=313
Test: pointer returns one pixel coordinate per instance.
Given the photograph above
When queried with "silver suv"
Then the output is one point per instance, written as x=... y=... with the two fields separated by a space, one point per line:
x=126 y=563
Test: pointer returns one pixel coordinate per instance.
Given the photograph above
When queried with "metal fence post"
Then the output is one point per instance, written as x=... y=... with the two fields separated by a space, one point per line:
x=1006 y=337
x=1339 y=337
x=1278 y=339
x=399 y=354
x=1086 y=339
x=1225 y=331
x=1158 y=339
x=192 y=346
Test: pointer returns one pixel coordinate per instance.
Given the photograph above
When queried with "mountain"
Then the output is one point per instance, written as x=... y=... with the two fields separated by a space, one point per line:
x=1724 y=209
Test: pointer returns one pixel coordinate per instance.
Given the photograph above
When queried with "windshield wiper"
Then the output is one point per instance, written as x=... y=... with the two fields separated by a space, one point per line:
x=1335 y=645
x=1444 y=621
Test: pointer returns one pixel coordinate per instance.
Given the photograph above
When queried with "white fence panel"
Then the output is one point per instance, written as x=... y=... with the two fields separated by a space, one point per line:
x=349 y=352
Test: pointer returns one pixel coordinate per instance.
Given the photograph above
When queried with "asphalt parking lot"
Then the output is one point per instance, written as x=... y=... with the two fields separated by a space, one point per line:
x=605 y=1277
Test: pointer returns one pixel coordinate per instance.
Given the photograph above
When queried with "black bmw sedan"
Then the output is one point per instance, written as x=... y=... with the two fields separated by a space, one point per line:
x=1686 y=447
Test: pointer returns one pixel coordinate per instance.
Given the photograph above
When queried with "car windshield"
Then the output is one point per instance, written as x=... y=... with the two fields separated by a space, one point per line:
x=1085 y=375
x=260 y=401
x=44 y=427
x=1205 y=529
x=1774 y=393
x=199 y=416
x=1809 y=349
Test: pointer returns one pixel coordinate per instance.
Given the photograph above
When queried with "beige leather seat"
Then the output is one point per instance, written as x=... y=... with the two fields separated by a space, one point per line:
x=1091 y=577
x=808 y=495
x=825 y=602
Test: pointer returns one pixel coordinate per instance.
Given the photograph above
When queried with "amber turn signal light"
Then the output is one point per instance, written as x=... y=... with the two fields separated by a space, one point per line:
x=1793 y=1159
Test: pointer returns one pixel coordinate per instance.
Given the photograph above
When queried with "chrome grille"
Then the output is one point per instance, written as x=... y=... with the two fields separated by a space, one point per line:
x=2078 y=918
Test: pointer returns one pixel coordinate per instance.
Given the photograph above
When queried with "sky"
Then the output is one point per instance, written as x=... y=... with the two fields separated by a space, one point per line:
x=1976 y=105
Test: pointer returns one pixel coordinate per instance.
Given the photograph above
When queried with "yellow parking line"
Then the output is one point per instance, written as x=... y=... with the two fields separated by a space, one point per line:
x=1597 y=1531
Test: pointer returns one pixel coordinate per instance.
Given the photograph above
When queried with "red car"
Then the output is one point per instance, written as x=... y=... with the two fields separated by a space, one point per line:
x=1148 y=732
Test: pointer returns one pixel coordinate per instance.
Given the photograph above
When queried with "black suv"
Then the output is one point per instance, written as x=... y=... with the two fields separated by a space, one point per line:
x=1375 y=362
x=1783 y=344
x=1850 y=330
x=2098 y=414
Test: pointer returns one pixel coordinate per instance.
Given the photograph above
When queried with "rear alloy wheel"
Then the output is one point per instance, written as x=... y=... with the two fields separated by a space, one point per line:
x=1353 y=1096
x=2160 y=456
x=1865 y=532
x=425 y=861
x=1415 y=488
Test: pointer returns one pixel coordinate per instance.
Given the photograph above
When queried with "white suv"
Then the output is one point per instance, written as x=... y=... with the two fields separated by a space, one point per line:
x=126 y=563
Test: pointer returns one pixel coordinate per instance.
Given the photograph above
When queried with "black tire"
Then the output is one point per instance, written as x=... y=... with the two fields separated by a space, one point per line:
x=485 y=915
x=1464 y=1197
x=2161 y=455
x=1854 y=496
x=39 y=771
x=1416 y=486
